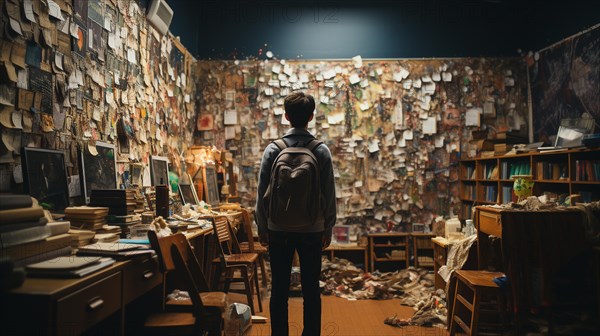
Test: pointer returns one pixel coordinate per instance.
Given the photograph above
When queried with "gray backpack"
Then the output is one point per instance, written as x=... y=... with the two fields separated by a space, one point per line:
x=293 y=197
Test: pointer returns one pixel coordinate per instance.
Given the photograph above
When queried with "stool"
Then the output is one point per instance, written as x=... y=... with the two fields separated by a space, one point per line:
x=469 y=289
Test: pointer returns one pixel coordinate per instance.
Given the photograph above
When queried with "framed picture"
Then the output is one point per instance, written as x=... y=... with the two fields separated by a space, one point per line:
x=135 y=171
x=159 y=170
x=187 y=192
x=211 y=188
x=341 y=234
x=98 y=168
x=45 y=177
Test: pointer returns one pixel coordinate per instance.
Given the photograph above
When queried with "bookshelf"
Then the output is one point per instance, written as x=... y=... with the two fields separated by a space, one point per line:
x=389 y=250
x=488 y=180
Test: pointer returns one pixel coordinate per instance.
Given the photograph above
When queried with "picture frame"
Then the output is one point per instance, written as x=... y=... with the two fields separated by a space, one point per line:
x=135 y=171
x=97 y=170
x=211 y=187
x=159 y=169
x=45 y=177
x=188 y=195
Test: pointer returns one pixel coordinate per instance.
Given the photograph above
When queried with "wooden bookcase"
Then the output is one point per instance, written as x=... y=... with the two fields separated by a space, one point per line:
x=422 y=249
x=389 y=251
x=485 y=181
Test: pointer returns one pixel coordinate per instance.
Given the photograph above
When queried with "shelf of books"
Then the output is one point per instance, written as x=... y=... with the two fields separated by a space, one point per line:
x=556 y=174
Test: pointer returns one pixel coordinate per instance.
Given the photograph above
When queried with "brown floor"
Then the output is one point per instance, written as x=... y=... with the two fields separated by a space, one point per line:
x=344 y=317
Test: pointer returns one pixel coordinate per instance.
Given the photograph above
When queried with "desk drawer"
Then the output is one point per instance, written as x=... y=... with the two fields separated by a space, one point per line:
x=84 y=308
x=139 y=278
x=490 y=223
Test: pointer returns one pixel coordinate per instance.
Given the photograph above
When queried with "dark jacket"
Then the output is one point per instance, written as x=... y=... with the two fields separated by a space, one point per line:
x=327 y=220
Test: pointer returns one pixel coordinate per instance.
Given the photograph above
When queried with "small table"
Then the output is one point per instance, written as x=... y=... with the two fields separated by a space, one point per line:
x=333 y=248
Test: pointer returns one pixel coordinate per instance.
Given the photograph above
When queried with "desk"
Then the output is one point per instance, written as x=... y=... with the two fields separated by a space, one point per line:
x=535 y=248
x=332 y=250
x=45 y=306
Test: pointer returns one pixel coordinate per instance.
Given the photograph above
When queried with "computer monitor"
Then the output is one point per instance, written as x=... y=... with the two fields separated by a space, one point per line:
x=45 y=177
x=98 y=168
x=159 y=170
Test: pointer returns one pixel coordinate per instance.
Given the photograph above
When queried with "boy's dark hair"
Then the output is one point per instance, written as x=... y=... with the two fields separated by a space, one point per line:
x=299 y=107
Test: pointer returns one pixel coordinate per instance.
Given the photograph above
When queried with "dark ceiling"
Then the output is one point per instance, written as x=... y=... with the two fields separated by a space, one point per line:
x=376 y=29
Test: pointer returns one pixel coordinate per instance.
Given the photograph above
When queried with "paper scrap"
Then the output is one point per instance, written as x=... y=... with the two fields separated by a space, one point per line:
x=430 y=125
x=472 y=117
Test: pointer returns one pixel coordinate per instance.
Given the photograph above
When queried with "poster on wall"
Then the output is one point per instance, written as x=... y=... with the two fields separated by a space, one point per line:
x=565 y=83
x=79 y=43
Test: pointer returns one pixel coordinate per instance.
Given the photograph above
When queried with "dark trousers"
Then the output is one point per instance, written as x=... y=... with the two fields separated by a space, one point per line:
x=281 y=252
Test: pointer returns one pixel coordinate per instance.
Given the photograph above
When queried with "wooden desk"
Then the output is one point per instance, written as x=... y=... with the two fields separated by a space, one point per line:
x=333 y=249
x=440 y=255
x=534 y=248
x=44 y=306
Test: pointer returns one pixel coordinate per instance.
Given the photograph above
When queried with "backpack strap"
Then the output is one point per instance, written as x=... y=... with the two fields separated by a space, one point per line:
x=280 y=144
x=314 y=143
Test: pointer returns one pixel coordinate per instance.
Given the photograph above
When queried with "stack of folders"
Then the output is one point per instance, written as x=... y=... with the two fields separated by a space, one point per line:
x=68 y=267
x=117 y=250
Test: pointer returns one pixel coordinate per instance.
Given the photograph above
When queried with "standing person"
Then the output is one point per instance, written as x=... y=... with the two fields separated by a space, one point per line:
x=296 y=211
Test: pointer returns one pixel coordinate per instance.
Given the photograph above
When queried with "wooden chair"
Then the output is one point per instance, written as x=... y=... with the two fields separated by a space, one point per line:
x=162 y=246
x=470 y=287
x=233 y=266
x=253 y=246
x=195 y=322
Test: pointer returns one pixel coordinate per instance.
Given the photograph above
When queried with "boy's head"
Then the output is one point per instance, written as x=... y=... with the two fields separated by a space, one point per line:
x=299 y=108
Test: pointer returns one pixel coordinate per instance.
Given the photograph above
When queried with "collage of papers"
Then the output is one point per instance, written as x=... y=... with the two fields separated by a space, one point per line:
x=79 y=71
x=395 y=127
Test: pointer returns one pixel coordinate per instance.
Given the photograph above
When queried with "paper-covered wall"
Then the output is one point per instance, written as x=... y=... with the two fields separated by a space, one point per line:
x=395 y=127
x=81 y=71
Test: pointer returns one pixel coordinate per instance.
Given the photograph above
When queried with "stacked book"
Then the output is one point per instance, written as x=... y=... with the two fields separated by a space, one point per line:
x=501 y=148
x=25 y=234
x=124 y=223
x=81 y=237
x=68 y=267
x=139 y=202
x=122 y=202
x=116 y=250
x=86 y=217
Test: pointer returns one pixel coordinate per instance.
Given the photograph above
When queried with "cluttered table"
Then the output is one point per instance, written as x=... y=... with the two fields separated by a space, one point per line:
x=49 y=306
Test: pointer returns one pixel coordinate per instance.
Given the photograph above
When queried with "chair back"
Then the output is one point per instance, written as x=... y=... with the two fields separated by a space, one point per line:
x=190 y=284
x=247 y=222
x=162 y=247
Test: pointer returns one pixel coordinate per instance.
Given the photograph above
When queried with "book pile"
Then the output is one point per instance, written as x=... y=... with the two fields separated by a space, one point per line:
x=109 y=229
x=81 y=237
x=124 y=223
x=25 y=234
x=139 y=202
x=107 y=237
x=86 y=217
x=122 y=202
x=68 y=267
x=501 y=148
x=116 y=250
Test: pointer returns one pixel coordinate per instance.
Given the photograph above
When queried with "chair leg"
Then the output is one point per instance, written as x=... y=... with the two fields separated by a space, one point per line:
x=227 y=284
x=263 y=270
x=475 y=312
x=249 y=294
x=452 y=322
x=216 y=275
x=260 y=309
